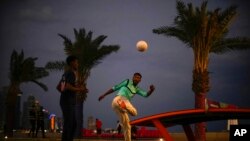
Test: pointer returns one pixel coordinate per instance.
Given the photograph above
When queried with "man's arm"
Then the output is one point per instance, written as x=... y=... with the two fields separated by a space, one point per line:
x=144 y=93
x=70 y=80
x=70 y=87
x=105 y=94
x=115 y=88
x=151 y=90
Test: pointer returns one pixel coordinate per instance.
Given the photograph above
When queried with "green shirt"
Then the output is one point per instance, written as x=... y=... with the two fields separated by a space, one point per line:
x=128 y=90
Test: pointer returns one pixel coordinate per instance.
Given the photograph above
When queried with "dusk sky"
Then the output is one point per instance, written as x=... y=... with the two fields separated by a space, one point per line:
x=33 y=26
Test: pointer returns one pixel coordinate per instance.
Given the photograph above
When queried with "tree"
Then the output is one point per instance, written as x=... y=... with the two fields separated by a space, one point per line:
x=22 y=70
x=205 y=32
x=90 y=52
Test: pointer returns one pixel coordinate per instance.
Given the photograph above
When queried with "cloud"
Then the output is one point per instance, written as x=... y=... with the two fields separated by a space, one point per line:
x=41 y=14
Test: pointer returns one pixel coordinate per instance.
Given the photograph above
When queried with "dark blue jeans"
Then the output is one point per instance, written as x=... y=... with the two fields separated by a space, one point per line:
x=69 y=124
x=79 y=119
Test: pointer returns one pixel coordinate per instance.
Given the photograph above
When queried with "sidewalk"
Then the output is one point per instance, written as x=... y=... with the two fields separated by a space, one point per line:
x=211 y=136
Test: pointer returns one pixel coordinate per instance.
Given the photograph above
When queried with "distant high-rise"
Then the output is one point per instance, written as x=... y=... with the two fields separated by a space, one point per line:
x=91 y=123
x=25 y=114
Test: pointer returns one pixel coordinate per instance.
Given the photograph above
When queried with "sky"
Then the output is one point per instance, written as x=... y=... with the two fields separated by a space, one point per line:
x=33 y=26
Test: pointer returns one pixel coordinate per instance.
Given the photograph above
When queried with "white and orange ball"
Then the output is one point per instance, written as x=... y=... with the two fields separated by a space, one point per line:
x=141 y=46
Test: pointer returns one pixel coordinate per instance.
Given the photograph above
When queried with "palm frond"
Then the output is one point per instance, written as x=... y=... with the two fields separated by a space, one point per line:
x=43 y=86
x=14 y=61
x=76 y=33
x=97 y=41
x=226 y=17
x=203 y=8
x=27 y=69
x=181 y=7
x=88 y=38
x=230 y=44
x=187 y=24
x=67 y=43
x=40 y=72
x=24 y=69
x=88 y=49
x=55 y=66
x=173 y=32
x=105 y=50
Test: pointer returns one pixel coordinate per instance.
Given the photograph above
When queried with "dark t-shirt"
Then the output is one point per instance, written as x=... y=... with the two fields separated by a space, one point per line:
x=68 y=96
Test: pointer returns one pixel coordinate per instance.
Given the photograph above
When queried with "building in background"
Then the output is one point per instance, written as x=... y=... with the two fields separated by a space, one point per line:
x=25 y=113
x=46 y=119
x=53 y=124
x=91 y=123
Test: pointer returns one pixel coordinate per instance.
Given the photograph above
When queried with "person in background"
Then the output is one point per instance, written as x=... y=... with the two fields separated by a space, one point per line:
x=40 y=121
x=134 y=131
x=98 y=124
x=118 y=127
x=32 y=119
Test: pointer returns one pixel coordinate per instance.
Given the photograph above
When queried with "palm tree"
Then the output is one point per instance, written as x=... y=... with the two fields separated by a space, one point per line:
x=22 y=70
x=204 y=32
x=90 y=52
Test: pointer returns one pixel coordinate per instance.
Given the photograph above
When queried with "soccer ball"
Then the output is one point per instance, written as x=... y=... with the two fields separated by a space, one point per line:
x=141 y=46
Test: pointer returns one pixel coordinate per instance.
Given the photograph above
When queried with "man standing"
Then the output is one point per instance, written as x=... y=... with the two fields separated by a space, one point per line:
x=121 y=103
x=32 y=118
x=40 y=121
x=118 y=127
x=68 y=98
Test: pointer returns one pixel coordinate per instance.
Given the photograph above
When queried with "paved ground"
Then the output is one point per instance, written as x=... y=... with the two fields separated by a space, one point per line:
x=211 y=136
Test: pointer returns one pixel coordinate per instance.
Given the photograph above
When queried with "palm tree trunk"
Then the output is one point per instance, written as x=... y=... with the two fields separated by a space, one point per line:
x=80 y=99
x=200 y=87
x=200 y=128
x=10 y=111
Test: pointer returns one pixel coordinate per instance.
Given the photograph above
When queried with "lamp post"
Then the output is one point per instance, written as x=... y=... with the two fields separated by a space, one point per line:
x=17 y=123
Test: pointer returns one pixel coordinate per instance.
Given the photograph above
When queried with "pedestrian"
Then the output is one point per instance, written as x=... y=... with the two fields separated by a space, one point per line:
x=119 y=127
x=121 y=103
x=133 y=131
x=32 y=119
x=40 y=121
x=68 y=98
x=98 y=124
